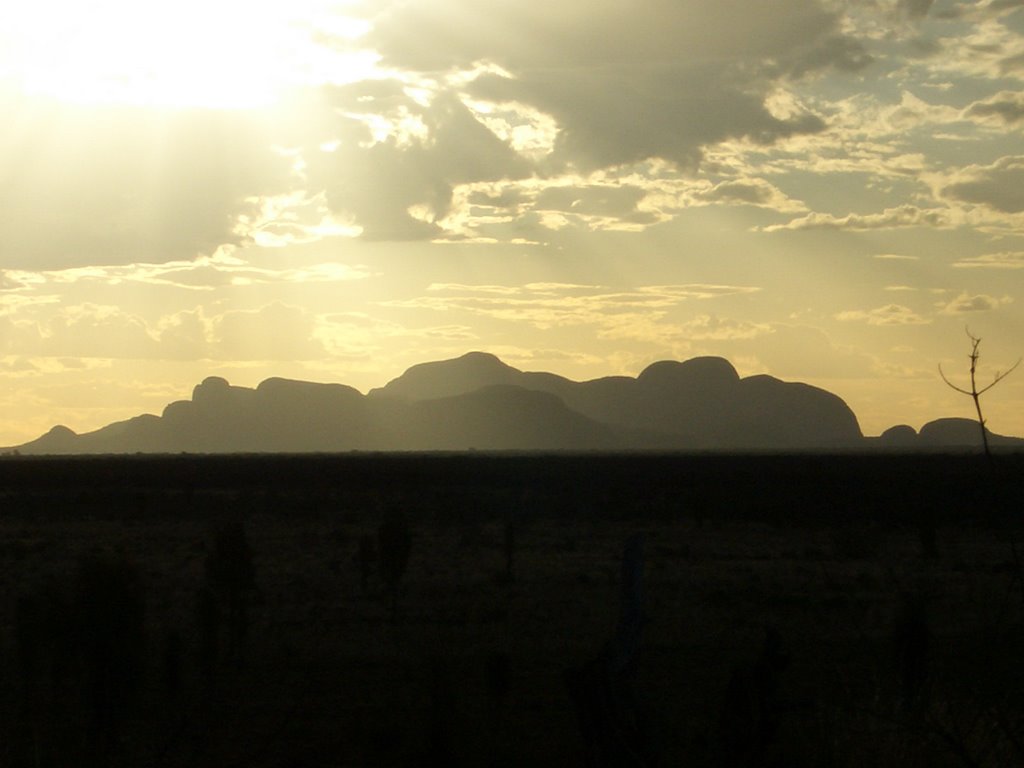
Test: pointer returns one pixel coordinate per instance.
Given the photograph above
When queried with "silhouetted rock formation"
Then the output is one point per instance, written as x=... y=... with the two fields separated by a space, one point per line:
x=951 y=432
x=900 y=436
x=943 y=435
x=478 y=402
x=504 y=418
x=698 y=404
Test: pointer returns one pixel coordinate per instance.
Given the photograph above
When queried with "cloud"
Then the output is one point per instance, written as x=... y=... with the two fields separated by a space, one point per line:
x=591 y=200
x=988 y=49
x=1002 y=260
x=697 y=290
x=185 y=335
x=508 y=92
x=890 y=314
x=966 y=303
x=627 y=115
x=1005 y=107
x=630 y=198
x=890 y=218
x=999 y=186
x=353 y=334
x=750 y=191
x=618 y=313
x=422 y=34
x=203 y=273
x=712 y=327
x=915 y=9
x=1005 y=5
x=625 y=83
x=86 y=330
x=396 y=188
x=277 y=331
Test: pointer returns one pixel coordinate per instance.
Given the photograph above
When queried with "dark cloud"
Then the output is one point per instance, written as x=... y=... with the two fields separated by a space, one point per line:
x=628 y=81
x=635 y=113
x=999 y=186
x=836 y=52
x=739 y=192
x=1005 y=5
x=121 y=184
x=508 y=198
x=441 y=34
x=378 y=184
x=591 y=200
x=1008 y=106
x=915 y=9
x=924 y=48
x=1012 y=64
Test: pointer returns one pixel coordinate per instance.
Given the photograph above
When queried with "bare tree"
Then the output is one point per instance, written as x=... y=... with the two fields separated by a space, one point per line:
x=974 y=393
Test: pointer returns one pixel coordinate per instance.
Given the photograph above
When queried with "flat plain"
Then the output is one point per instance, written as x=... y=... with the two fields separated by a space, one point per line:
x=200 y=610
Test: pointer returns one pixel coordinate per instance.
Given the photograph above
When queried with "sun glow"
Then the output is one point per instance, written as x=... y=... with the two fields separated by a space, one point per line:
x=187 y=53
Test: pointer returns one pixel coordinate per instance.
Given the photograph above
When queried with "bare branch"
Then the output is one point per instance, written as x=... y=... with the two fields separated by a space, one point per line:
x=974 y=393
x=1000 y=376
x=951 y=384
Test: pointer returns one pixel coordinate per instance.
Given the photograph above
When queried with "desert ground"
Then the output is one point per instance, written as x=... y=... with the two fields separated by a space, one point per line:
x=482 y=610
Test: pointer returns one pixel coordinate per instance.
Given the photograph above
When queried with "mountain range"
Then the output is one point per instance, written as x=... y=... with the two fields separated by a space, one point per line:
x=477 y=402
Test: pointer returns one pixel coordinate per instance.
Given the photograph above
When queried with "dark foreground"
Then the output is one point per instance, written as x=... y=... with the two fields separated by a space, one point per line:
x=477 y=610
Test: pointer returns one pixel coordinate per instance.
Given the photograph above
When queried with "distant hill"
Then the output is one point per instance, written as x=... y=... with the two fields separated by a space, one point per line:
x=698 y=404
x=478 y=402
x=942 y=435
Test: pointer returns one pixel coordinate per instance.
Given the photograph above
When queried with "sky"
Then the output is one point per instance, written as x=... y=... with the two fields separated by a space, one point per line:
x=827 y=191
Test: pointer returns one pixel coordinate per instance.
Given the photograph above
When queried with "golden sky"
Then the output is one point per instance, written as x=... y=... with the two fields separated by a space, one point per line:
x=823 y=190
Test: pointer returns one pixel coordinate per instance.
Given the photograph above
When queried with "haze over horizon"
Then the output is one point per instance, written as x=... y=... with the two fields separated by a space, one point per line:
x=827 y=191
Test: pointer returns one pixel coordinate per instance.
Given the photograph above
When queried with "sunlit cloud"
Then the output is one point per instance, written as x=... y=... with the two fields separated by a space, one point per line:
x=967 y=303
x=277 y=331
x=204 y=273
x=1002 y=260
x=890 y=218
x=989 y=49
x=1005 y=108
x=549 y=305
x=704 y=327
x=890 y=314
x=998 y=186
